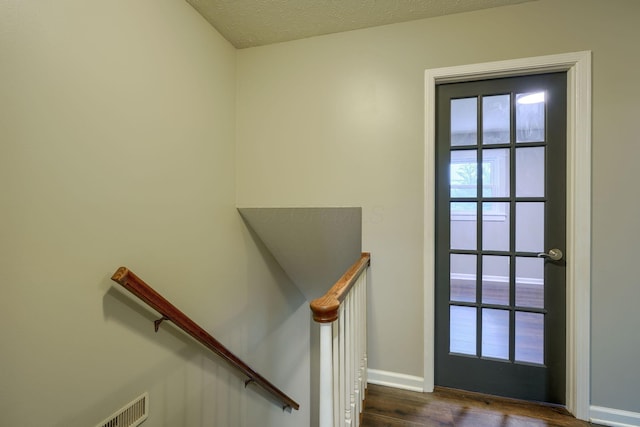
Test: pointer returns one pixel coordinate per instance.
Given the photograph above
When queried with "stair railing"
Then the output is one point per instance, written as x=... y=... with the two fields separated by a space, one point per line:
x=342 y=315
x=139 y=288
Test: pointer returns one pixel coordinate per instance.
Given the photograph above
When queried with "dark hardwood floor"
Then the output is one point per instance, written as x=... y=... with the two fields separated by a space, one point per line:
x=390 y=407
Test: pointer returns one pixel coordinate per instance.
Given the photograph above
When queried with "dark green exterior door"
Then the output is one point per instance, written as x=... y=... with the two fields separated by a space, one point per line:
x=500 y=234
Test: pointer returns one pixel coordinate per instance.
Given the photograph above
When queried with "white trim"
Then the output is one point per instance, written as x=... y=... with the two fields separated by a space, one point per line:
x=614 y=417
x=395 y=380
x=578 y=68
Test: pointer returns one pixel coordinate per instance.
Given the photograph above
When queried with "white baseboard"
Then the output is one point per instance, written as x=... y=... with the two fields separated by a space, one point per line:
x=614 y=417
x=395 y=380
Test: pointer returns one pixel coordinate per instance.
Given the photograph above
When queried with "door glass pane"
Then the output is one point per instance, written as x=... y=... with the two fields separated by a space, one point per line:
x=529 y=337
x=495 y=172
x=530 y=226
x=529 y=282
x=496 y=119
x=495 y=333
x=530 y=117
x=530 y=172
x=463 y=173
x=463 y=225
x=462 y=338
x=464 y=121
x=463 y=277
x=495 y=279
x=495 y=226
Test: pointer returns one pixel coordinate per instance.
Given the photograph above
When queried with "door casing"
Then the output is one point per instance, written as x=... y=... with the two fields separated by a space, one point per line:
x=578 y=68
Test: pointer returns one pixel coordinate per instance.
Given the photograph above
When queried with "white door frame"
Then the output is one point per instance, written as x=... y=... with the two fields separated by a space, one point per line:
x=578 y=68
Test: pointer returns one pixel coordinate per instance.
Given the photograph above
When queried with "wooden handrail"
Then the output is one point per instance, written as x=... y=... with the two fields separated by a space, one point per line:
x=139 y=288
x=325 y=309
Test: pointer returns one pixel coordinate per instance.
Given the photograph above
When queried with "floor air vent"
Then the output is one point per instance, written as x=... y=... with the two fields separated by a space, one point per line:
x=131 y=415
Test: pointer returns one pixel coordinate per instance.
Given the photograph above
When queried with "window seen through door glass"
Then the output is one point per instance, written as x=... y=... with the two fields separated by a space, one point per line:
x=463 y=173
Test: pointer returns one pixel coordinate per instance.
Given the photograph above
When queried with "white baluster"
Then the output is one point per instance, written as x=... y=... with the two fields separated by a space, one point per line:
x=354 y=360
x=365 y=329
x=348 y=366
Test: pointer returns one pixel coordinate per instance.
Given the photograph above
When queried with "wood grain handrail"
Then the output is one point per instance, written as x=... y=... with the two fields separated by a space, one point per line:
x=326 y=308
x=146 y=293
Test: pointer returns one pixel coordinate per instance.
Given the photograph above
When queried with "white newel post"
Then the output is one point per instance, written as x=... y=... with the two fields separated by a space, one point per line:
x=326 y=375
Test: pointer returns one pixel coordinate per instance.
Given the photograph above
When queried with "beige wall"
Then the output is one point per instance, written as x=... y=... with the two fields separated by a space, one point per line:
x=117 y=131
x=338 y=120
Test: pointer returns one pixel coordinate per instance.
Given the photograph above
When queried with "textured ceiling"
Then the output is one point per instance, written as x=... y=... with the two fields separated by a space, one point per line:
x=247 y=23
